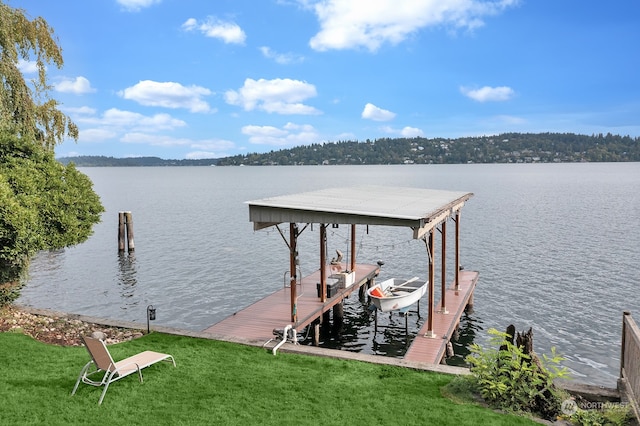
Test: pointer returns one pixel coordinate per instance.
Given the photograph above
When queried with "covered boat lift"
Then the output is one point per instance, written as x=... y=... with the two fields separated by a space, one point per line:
x=422 y=210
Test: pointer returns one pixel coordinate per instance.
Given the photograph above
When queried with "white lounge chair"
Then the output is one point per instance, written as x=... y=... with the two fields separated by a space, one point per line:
x=111 y=371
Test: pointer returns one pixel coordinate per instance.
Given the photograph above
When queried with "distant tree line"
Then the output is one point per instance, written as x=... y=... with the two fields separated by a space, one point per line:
x=503 y=148
x=101 y=161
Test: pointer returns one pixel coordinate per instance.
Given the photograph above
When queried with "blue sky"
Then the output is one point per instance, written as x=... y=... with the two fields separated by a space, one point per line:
x=206 y=79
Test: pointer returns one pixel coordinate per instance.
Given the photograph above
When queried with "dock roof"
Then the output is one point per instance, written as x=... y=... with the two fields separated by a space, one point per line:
x=418 y=208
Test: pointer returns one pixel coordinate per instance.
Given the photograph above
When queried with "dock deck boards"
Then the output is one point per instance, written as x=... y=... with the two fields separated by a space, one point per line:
x=257 y=321
x=432 y=349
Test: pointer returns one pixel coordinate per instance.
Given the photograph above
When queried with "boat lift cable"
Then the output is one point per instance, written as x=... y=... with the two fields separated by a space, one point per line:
x=392 y=245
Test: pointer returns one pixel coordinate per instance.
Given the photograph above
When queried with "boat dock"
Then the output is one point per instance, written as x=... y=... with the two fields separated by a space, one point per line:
x=303 y=301
x=255 y=324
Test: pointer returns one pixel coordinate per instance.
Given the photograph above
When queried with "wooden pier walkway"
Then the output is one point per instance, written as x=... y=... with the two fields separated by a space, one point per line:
x=257 y=321
x=432 y=349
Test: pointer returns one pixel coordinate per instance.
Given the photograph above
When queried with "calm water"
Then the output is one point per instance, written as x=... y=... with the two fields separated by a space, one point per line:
x=557 y=247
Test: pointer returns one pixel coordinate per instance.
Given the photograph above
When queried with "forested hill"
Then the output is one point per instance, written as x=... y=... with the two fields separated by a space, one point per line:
x=100 y=161
x=504 y=148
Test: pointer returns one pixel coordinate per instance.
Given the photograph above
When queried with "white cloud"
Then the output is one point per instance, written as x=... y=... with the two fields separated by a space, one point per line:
x=372 y=112
x=78 y=86
x=206 y=148
x=407 y=132
x=229 y=32
x=96 y=135
x=280 y=58
x=411 y=132
x=168 y=95
x=289 y=135
x=136 y=5
x=27 y=67
x=346 y=136
x=488 y=94
x=79 y=111
x=281 y=96
x=117 y=119
x=153 y=140
x=369 y=24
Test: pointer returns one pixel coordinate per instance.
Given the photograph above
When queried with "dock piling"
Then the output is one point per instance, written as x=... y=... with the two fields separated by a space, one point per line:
x=125 y=231
x=121 y=232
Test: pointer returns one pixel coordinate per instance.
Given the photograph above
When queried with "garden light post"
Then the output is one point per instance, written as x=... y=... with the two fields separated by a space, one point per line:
x=151 y=316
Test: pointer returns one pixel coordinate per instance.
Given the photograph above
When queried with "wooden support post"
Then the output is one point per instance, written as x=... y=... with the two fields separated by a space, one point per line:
x=430 y=333
x=443 y=285
x=457 y=272
x=469 y=307
x=323 y=261
x=293 y=238
x=121 y=232
x=352 y=267
x=375 y=322
x=128 y=218
x=125 y=231
x=316 y=333
x=338 y=315
x=625 y=316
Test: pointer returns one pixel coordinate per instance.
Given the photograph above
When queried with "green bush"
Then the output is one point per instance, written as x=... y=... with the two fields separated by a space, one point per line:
x=614 y=415
x=43 y=205
x=509 y=379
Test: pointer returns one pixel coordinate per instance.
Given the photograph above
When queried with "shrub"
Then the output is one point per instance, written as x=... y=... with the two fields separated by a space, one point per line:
x=510 y=379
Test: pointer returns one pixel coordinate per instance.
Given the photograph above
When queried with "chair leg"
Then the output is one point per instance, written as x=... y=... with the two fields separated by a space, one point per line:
x=82 y=373
x=106 y=386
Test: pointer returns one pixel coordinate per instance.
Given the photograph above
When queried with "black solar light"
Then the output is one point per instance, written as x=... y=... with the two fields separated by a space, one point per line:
x=151 y=315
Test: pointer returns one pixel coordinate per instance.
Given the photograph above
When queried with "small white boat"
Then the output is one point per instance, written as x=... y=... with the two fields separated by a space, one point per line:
x=394 y=294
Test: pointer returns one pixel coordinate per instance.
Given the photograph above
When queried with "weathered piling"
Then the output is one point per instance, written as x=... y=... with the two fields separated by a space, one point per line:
x=125 y=231
x=121 y=231
x=338 y=314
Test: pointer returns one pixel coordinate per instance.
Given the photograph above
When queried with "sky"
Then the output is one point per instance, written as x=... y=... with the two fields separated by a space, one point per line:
x=187 y=79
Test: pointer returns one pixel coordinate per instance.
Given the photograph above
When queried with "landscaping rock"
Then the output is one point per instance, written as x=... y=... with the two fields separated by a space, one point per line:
x=59 y=330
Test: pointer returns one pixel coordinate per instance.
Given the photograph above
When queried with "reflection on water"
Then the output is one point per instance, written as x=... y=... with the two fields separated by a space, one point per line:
x=364 y=329
x=470 y=326
x=127 y=279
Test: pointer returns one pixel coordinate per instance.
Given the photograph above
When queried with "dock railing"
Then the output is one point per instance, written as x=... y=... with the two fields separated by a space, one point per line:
x=630 y=361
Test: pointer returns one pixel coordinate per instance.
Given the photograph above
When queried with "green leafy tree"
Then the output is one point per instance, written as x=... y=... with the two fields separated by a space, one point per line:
x=43 y=204
x=26 y=109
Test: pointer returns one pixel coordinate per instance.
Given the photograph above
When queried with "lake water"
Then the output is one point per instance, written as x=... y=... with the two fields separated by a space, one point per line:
x=557 y=247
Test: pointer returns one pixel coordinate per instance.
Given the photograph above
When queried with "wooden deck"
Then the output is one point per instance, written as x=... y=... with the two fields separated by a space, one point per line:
x=257 y=321
x=432 y=349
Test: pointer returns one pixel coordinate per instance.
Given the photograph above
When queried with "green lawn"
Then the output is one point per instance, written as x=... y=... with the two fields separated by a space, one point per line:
x=223 y=383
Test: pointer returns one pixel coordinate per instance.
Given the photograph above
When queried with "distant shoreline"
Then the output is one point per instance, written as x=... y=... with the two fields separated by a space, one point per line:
x=503 y=148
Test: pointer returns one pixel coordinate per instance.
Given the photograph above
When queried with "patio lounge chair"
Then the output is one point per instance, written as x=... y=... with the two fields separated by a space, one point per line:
x=111 y=371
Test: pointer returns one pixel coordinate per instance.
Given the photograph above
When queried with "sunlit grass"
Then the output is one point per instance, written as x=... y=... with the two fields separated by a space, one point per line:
x=223 y=383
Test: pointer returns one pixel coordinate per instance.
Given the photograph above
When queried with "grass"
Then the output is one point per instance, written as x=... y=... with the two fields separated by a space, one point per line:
x=223 y=383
